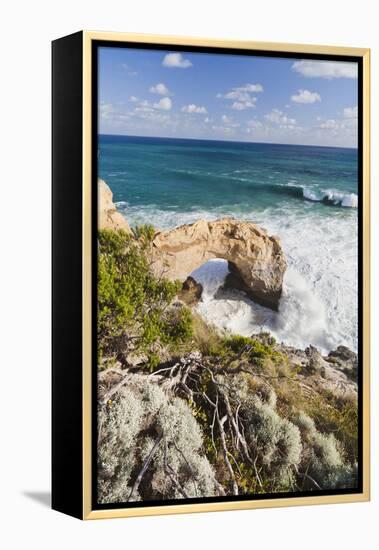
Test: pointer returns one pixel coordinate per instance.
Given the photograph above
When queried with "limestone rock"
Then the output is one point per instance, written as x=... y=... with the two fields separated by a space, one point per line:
x=319 y=373
x=255 y=258
x=344 y=359
x=109 y=217
x=191 y=292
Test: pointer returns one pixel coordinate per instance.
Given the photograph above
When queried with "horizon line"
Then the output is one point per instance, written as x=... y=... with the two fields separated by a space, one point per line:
x=233 y=141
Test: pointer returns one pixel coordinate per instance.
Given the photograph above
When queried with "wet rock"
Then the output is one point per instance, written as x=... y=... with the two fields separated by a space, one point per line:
x=345 y=360
x=191 y=292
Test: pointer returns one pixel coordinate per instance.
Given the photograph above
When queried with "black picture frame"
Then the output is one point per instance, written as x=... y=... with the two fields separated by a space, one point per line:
x=69 y=127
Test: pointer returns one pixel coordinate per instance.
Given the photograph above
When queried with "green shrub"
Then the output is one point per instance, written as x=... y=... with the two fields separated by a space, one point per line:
x=258 y=352
x=134 y=307
x=236 y=343
x=205 y=336
x=144 y=232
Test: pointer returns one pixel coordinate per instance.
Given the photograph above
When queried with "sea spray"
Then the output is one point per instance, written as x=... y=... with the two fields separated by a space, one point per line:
x=211 y=276
x=232 y=311
x=318 y=304
x=307 y=196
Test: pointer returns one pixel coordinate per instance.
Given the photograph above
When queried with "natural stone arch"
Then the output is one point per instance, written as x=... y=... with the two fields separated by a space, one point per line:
x=256 y=260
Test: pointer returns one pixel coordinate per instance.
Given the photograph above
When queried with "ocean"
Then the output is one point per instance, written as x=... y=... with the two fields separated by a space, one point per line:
x=308 y=196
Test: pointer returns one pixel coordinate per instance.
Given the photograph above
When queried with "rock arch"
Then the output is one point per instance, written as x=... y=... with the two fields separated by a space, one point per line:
x=256 y=260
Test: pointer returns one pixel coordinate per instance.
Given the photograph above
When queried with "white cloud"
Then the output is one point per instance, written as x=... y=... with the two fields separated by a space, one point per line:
x=143 y=106
x=326 y=69
x=176 y=60
x=241 y=96
x=164 y=103
x=106 y=110
x=252 y=88
x=235 y=94
x=160 y=89
x=345 y=125
x=131 y=71
x=330 y=124
x=207 y=120
x=241 y=106
x=254 y=124
x=238 y=106
x=226 y=130
x=305 y=96
x=229 y=121
x=192 y=108
x=279 y=118
x=350 y=112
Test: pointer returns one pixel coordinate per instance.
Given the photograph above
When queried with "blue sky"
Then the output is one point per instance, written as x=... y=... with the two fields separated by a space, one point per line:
x=229 y=97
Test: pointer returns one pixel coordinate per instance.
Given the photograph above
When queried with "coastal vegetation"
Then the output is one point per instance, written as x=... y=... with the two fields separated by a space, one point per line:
x=134 y=312
x=185 y=411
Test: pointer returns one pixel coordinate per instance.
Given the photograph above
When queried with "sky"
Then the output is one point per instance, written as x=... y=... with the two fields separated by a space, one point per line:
x=144 y=92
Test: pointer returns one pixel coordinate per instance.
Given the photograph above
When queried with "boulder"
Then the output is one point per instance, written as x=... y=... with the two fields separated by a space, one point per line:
x=256 y=259
x=344 y=359
x=108 y=216
x=191 y=292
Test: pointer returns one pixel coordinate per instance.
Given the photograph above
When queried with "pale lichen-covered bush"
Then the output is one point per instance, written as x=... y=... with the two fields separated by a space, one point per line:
x=294 y=454
x=118 y=424
x=180 y=452
x=275 y=440
x=140 y=417
x=267 y=395
x=323 y=458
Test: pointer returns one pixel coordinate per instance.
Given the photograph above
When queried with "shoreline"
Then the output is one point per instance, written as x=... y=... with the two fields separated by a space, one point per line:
x=248 y=414
x=284 y=324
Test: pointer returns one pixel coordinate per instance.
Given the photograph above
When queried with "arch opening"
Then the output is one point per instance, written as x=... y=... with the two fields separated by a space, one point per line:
x=255 y=261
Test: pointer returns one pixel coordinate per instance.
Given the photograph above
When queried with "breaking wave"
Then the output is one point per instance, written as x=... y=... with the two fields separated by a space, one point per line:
x=319 y=303
x=330 y=197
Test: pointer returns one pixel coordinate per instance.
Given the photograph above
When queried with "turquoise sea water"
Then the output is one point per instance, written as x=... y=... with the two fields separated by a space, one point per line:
x=305 y=195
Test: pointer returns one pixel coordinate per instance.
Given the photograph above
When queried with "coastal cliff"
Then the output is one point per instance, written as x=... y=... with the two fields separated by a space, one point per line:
x=108 y=216
x=198 y=412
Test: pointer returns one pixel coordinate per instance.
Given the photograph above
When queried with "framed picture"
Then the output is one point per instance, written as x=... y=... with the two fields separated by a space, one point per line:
x=210 y=275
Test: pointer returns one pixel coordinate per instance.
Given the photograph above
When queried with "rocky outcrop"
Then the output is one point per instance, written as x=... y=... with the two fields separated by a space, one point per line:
x=345 y=360
x=191 y=292
x=256 y=259
x=335 y=373
x=108 y=216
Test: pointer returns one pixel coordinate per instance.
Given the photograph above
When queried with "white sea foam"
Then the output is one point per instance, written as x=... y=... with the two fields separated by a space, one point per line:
x=319 y=301
x=165 y=218
x=320 y=285
x=211 y=275
x=348 y=200
x=301 y=320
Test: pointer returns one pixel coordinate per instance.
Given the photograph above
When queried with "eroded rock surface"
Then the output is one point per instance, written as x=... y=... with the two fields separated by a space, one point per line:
x=191 y=292
x=108 y=216
x=255 y=258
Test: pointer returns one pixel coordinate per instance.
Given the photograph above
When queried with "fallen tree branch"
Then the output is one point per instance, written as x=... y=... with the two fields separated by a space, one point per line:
x=145 y=467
